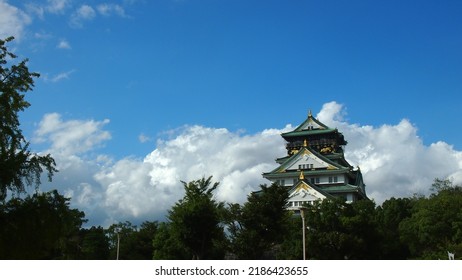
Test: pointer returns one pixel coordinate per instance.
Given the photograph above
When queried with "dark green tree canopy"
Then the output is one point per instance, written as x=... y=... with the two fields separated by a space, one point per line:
x=260 y=224
x=338 y=230
x=194 y=224
x=435 y=224
x=41 y=226
x=19 y=167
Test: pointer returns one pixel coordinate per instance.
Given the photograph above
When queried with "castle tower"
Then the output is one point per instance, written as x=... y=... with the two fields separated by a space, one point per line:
x=315 y=167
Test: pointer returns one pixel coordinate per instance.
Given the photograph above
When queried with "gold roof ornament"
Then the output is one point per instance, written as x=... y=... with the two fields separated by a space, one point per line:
x=305 y=143
x=309 y=114
x=302 y=176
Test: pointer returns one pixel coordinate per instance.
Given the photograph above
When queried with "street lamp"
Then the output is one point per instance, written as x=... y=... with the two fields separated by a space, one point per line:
x=302 y=214
x=117 y=231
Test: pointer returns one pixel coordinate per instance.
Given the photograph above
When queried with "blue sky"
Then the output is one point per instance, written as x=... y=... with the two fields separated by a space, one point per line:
x=124 y=80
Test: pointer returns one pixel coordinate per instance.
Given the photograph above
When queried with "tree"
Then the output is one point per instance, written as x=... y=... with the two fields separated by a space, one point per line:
x=435 y=225
x=41 y=226
x=135 y=243
x=122 y=235
x=292 y=245
x=195 y=223
x=389 y=217
x=258 y=227
x=19 y=167
x=144 y=238
x=94 y=244
x=338 y=230
x=359 y=222
x=325 y=237
x=167 y=245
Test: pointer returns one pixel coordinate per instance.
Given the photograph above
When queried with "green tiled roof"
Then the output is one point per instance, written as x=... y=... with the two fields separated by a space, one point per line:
x=310 y=119
x=302 y=131
x=289 y=160
x=339 y=188
x=308 y=132
x=316 y=172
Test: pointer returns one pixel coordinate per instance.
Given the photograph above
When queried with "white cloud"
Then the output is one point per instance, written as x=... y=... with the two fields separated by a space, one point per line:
x=82 y=14
x=58 y=77
x=12 y=21
x=393 y=159
x=140 y=189
x=57 y=6
x=64 y=44
x=35 y=9
x=144 y=138
x=111 y=9
x=42 y=35
x=39 y=9
x=70 y=138
x=86 y=12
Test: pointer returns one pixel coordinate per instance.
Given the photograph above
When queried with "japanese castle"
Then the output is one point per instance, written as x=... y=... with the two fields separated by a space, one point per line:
x=315 y=167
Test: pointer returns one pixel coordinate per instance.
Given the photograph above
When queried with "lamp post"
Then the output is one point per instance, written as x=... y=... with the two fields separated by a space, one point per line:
x=117 y=230
x=302 y=214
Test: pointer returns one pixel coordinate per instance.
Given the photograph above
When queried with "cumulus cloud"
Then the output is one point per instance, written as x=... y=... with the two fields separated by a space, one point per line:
x=72 y=137
x=71 y=143
x=149 y=187
x=392 y=157
x=82 y=14
x=12 y=21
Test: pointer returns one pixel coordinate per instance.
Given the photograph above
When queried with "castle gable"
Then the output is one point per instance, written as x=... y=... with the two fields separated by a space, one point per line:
x=304 y=193
x=307 y=159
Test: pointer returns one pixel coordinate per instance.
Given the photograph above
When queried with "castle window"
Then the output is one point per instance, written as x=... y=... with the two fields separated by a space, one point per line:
x=305 y=166
x=333 y=179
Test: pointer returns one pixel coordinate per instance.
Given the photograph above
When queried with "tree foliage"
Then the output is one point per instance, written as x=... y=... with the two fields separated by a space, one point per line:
x=41 y=226
x=258 y=227
x=94 y=244
x=167 y=246
x=135 y=243
x=195 y=223
x=389 y=217
x=338 y=230
x=19 y=167
x=435 y=225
